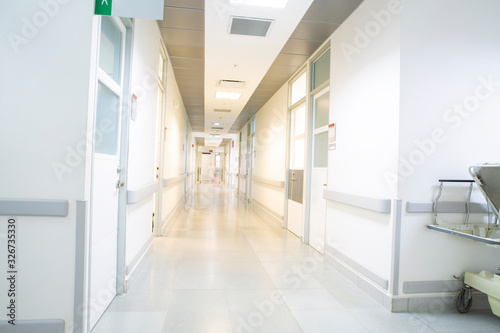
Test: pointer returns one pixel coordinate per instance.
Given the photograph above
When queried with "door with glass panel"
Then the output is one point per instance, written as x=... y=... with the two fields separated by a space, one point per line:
x=318 y=164
x=296 y=154
x=295 y=219
x=319 y=170
x=106 y=169
x=250 y=160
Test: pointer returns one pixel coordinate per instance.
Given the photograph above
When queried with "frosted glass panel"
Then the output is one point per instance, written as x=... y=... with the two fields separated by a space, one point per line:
x=107 y=118
x=321 y=70
x=160 y=67
x=299 y=121
x=110 y=49
x=322 y=110
x=297 y=154
x=321 y=150
x=299 y=89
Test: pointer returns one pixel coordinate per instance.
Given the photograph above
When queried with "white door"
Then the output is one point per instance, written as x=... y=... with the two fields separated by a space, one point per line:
x=106 y=170
x=295 y=220
x=249 y=171
x=319 y=170
x=206 y=160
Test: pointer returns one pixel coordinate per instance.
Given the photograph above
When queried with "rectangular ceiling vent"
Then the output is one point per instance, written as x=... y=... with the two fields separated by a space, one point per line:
x=222 y=110
x=249 y=26
x=218 y=128
x=231 y=84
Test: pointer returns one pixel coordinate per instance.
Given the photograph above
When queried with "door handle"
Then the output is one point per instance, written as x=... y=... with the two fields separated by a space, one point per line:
x=118 y=184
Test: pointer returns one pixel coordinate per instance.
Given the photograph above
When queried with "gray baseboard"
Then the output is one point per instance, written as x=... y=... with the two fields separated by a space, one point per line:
x=368 y=286
x=267 y=213
x=134 y=268
x=176 y=210
x=439 y=295
x=371 y=276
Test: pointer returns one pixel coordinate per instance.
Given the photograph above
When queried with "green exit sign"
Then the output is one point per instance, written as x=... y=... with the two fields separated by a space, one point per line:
x=147 y=9
x=103 y=7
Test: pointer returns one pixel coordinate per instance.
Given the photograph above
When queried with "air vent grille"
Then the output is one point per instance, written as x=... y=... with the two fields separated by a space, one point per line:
x=222 y=110
x=249 y=26
x=231 y=84
x=218 y=128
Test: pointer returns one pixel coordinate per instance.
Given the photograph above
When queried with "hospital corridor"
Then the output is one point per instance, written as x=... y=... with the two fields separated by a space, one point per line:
x=222 y=268
x=240 y=166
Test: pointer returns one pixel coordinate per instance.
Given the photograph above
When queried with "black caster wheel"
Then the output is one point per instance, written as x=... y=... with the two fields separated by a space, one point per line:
x=463 y=301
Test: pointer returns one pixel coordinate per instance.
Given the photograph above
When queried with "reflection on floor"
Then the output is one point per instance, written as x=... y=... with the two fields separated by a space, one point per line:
x=222 y=268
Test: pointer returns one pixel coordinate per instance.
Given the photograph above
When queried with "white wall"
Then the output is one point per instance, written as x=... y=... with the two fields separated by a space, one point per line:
x=45 y=91
x=142 y=135
x=176 y=122
x=270 y=147
x=243 y=159
x=191 y=161
x=364 y=103
x=234 y=162
x=448 y=49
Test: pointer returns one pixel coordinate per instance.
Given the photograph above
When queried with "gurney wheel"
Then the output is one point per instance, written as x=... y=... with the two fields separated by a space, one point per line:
x=463 y=301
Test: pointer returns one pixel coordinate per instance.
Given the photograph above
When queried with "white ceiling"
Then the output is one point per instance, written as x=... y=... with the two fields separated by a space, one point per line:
x=241 y=57
x=202 y=53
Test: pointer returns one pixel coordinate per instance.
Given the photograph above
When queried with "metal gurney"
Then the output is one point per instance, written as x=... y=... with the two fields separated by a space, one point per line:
x=487 y=178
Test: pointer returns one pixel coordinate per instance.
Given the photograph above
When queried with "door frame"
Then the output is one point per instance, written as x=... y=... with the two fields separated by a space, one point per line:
x=121 y=286
x=250 y=158
x=322 y=90
x=162 y=86
x=126 y=26
x=291 y=107
x=310 y=134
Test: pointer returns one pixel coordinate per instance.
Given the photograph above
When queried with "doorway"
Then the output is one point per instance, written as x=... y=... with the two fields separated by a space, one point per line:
x=296 y=155
x=295 y=220
x=319 y=169
x=106 y=167
x=250 y=160
x=318 y=153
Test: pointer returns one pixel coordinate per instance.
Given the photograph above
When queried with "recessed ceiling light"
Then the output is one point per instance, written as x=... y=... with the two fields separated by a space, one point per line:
x=227 y=95
x=217 y=124
x=264 y=3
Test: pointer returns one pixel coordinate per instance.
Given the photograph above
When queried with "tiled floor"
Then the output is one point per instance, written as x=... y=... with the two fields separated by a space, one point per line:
x=221 y=268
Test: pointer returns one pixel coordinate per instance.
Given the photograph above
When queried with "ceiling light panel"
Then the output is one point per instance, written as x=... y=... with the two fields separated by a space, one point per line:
x=227 y=95
x=262 y=3
x=249 y=26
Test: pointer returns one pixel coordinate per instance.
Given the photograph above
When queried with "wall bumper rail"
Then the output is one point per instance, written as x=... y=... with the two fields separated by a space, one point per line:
x=136 y=195
x=34 y=207
x=377 y=205
x=174 y=180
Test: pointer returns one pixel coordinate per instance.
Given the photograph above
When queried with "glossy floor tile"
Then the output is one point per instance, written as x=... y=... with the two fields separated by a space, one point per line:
x=222 y=268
